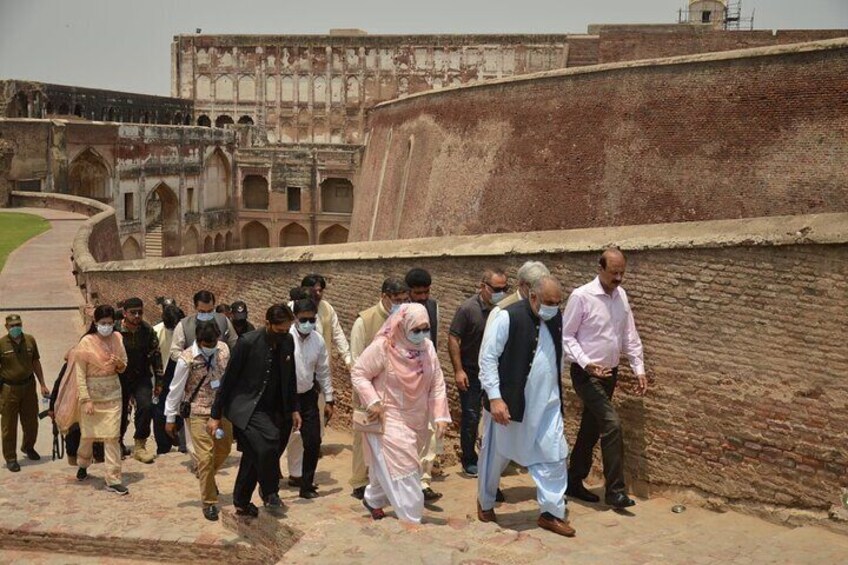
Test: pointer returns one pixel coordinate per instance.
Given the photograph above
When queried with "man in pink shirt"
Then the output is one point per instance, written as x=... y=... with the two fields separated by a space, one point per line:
x=597 y=328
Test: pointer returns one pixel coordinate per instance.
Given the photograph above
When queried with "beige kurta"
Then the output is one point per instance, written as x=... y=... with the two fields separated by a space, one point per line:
x=97 y=380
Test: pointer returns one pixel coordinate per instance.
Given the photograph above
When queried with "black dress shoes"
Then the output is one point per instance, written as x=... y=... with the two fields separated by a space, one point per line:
x=211 y=513
x=249 y=510
x=430 y=495
x=619 y=500
x=32 y=455
x=13 y=466
x=308 y=494
x=578 y=491
x=358 y=493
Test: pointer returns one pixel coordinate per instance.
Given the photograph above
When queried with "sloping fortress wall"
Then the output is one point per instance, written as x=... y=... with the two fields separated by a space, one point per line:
x=729 y=312
x=731 y=135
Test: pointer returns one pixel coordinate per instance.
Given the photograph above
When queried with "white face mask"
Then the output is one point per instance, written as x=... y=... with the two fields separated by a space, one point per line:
x=547 y=312
x=205 y=316
x=105 y=329
x=417 y=337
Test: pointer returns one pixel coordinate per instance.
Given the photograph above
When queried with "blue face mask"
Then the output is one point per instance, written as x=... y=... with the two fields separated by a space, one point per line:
x=498 y=296
x=547 y=312
x=16 y=332
x=209 y=351
x=205 y=316
x=417 y=337
x=305 y=327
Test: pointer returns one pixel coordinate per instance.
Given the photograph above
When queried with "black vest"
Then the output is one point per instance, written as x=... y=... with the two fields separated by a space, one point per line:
x=517 y=358
x=433 y=312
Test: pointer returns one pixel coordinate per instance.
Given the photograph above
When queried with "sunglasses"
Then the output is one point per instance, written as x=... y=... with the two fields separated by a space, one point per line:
x=494 y=289
x=310 y=320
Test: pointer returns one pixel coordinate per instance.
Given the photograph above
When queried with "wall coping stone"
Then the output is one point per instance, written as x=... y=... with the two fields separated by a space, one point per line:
x=734 y=55
x=97 y=212
x=819 y=229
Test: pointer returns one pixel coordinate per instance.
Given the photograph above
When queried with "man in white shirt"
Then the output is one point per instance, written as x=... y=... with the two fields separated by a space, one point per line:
x=597 y=328
x=312 y=364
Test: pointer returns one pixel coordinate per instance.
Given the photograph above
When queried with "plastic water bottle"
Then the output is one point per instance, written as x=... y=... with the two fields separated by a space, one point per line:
x=45 y=403
x=219 y=433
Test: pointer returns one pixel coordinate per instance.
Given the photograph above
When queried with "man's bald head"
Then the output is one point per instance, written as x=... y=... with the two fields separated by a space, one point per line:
x=611 y=267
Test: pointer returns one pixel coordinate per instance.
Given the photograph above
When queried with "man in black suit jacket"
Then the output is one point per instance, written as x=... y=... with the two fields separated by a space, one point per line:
x=258 y=394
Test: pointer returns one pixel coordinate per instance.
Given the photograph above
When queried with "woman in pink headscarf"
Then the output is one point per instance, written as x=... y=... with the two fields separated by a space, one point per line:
x=399 y=380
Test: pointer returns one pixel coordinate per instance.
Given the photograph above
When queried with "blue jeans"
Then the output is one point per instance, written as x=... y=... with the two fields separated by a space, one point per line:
x=470 y=400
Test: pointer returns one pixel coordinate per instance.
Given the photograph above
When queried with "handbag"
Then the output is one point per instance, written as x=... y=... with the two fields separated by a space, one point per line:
x=185 y=405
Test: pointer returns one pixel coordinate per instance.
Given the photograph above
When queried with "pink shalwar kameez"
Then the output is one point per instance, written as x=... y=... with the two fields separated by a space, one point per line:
x=407 y=378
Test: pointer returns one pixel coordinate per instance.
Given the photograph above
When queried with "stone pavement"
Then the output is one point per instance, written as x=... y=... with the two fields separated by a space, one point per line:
x=48 y=517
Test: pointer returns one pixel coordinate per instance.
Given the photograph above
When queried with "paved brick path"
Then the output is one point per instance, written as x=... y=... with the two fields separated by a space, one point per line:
x=46 y=516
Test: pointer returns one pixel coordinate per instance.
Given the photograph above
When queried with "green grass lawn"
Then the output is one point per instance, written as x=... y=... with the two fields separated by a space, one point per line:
x=16 y=228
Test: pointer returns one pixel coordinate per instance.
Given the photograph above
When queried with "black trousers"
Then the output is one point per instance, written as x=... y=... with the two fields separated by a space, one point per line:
x=72 y=443
x=164 y=442
x=310 y=433
x=259 y=443
x=599 y=420
x=140 y=389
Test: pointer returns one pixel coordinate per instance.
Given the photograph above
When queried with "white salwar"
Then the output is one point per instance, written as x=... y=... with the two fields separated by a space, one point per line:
x=538 y=441
x=403 y=494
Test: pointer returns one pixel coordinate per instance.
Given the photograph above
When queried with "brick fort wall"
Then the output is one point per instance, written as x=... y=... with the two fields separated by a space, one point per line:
x=730 y=135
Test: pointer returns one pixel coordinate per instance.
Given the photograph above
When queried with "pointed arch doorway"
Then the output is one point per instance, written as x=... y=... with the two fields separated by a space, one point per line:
x=162 y=223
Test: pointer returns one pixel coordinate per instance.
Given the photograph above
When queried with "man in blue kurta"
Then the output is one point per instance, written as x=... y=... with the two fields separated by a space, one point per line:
x=520 y=364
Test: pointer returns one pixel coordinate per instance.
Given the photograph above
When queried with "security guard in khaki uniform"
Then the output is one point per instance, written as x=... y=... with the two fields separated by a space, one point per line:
x=19 y=359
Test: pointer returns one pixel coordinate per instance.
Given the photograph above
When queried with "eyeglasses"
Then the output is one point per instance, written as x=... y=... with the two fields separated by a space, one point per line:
x=420 y=331
x=504 y=288
x=310 y=320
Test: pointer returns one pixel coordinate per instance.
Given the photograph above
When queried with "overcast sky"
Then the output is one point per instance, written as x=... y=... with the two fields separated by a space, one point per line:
x=125 y=45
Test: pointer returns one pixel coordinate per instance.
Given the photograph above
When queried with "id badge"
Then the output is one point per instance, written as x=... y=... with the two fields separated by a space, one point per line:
x=215 y=384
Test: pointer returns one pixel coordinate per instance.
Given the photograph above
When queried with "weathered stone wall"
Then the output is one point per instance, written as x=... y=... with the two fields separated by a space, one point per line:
x=6 y=153
x=742 y=321
x=316 y=88
x=28 y=99
x=634 y=42
x=743 y=134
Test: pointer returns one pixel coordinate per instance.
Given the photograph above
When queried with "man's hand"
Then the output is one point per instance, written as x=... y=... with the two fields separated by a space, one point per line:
x=45 y=392
x=328 y=412
x=297 y=421
x=461 y=380
x=171 y=429
x=88 y=407
x=375 y=412
x=598 y=371
x=211 y=425
x=500 y=411
x=642 y=385
x=157 y=390
x=441 y=428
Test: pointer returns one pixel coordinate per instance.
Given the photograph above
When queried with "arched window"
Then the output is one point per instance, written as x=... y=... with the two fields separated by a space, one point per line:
x=333 y=234
x=254 y=235
x=293 y=235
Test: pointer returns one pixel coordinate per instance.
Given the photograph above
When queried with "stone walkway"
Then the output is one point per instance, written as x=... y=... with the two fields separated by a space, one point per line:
x=47 y=517
x=37 y=283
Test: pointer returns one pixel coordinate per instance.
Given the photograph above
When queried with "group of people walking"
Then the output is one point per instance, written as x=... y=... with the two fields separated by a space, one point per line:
x=218 y=379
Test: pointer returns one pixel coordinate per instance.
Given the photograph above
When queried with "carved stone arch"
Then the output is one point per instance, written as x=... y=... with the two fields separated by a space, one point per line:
x=334 y=234
x=89 y=176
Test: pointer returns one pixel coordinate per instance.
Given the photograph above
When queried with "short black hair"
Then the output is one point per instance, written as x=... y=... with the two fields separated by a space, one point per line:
x=298 y=293
x=203 y=296
x=418 y=277
x=305 y=305
x=171 y=316
x=313 y=279
x=207 y=331
x=133 y=302
x=279 y=313
x=394 y=285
